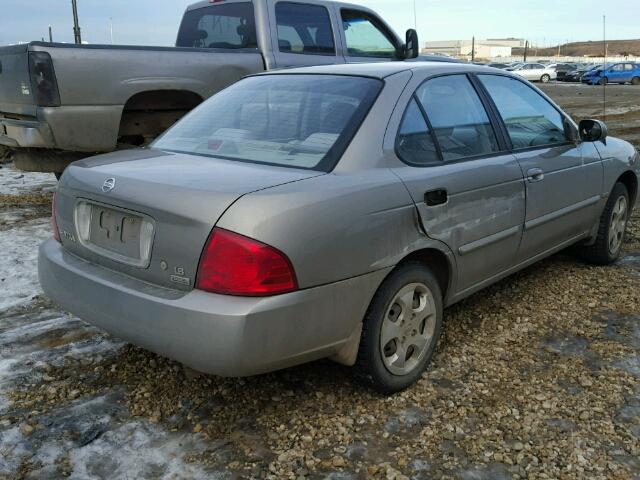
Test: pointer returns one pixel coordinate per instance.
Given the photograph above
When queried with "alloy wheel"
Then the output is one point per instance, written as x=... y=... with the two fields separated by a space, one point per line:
x=618 y=225
x=408 y=328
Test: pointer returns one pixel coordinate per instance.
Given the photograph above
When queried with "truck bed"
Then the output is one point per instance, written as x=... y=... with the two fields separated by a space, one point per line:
x=96 y=84
x=109 y=74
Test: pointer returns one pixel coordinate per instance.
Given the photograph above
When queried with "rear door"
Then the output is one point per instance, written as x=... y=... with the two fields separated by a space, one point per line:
x=365 y=37
x=628 y=71
x=616 y=73
x=563 y=178
x=303 y=34
x=468 y=189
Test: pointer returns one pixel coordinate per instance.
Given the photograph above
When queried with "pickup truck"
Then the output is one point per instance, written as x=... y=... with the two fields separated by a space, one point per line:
x=62 y=102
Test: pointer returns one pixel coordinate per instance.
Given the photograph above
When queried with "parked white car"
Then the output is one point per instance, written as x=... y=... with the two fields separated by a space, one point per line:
x=536 y=72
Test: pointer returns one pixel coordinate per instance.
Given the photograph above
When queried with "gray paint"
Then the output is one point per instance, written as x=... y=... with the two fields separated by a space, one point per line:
x=343 y=231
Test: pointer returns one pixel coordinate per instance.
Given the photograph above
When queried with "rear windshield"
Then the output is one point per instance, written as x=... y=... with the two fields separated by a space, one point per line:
x=229 y=25
x=300 y=121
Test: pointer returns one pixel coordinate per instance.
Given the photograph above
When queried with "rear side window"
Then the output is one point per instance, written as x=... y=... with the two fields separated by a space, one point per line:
x=459 y=121
x=230 y=25
x=365 y=38
x=415 y=143
x=304 y=29
x=530 y=119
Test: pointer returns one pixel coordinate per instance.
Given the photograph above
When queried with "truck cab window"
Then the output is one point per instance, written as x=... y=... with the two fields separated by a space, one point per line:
x=365 y=37
x=230 y=25
x=304 y=29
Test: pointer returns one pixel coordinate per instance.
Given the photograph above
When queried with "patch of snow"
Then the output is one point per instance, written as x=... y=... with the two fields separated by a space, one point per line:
x=15 y=182
x=138 y=450
x=12 y=449
x=18 y=262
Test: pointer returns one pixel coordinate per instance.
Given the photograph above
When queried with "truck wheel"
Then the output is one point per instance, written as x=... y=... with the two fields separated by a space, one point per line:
x=401 y=329
x=545 y=78
x=635 y=81
x=612 y=228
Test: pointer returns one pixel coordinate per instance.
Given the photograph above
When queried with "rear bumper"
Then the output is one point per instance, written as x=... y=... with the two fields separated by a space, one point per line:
x=25 y=134
x=91 y=128
x=216 y=334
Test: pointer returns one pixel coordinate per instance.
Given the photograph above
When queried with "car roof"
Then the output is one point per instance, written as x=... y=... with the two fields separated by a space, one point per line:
x=385 y=69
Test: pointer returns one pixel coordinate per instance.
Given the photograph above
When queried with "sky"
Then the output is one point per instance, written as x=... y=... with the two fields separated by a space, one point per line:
x=155 y=22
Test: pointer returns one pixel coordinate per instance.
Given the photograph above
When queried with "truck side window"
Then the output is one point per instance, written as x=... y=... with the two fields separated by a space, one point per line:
x=230 y=25
x=304 y=29
x=365 y=36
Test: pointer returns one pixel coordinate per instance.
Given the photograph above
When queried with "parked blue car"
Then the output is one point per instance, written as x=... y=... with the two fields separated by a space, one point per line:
x=625 y=72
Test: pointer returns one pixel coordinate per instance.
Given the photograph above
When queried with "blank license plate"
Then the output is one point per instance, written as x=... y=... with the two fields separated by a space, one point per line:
x=116 y=231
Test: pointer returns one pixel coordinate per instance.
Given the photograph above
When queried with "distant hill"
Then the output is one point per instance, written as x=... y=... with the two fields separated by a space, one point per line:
x=589 y=49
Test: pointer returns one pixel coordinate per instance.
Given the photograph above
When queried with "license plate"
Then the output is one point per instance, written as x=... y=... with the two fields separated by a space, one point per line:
x=115 y=231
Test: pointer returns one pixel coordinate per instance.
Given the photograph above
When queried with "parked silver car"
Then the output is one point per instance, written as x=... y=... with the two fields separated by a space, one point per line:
x=536 y=72
x=332 y=212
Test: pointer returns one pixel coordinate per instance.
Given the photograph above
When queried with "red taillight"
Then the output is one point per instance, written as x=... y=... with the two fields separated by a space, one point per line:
x=54 y=221
x=233 y=264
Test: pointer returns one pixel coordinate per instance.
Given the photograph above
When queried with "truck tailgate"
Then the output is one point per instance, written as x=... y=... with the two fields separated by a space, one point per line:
x=15 y=84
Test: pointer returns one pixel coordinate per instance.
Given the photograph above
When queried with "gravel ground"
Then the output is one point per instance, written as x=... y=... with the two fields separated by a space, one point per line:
x=536 y=377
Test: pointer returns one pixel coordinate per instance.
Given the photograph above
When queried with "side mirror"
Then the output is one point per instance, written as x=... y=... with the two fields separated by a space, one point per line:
x=411 y=49
x=593 y=131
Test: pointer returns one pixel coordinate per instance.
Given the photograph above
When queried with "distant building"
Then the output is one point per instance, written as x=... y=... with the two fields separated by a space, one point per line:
x=490 y=48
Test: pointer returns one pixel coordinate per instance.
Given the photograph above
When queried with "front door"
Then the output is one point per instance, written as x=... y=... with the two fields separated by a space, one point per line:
x=563 y=179
x=468 y=190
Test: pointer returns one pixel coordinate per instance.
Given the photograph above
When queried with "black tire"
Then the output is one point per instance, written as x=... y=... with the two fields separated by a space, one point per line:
x=635 y=81
x=600 y=252
x=603 y=81
x=370 y=366
x=545 y=78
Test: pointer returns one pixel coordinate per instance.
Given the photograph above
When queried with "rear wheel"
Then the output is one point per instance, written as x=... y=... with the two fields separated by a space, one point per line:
x=612 y=228
x=401 y=329
x=545 y=78
x=635 y=81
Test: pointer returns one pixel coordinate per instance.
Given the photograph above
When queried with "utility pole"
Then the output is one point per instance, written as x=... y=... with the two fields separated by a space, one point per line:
x=111 y=29
x=473 y=49
x=526 y=50
x=50 y=35
x=76 y=27
x=604 y=67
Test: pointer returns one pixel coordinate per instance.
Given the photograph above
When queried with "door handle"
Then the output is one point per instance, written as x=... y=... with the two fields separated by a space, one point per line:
x=535 y=175
x=436 y=197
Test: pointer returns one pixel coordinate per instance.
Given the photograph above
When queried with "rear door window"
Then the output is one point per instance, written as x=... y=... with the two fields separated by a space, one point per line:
x=458 y=118
x=530 y=119
x=304 y=29
x=365 y=37
x=415 y=144
x=230 y=25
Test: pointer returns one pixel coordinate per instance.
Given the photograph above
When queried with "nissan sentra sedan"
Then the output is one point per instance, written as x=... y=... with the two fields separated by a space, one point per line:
x=332 y=212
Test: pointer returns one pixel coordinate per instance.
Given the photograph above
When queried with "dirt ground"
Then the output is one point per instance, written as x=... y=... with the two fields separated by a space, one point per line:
x=537 y=377
x=585 y=101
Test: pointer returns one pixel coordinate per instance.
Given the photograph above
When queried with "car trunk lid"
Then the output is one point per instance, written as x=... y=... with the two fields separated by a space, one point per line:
x=171 y=201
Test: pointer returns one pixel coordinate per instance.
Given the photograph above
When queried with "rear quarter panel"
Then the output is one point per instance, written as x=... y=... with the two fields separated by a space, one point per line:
x=332 y=227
